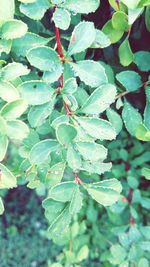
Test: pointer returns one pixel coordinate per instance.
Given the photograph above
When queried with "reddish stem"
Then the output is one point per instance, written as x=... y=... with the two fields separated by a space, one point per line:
x=60 y=53
x=77 y=179
x=59 y=46
x=118 y=4
x=130 y=196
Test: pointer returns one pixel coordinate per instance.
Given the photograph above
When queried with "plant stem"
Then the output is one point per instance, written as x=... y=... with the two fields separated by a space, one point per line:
x=60 y=53
x=77 y=179
x=127 y=168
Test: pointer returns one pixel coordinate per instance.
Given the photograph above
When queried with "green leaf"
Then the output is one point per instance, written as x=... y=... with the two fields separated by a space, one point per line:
x=91 y=151
x=52 y=208
x=131 y=80
x=106 y=192
x=63 y=192
x=70 y=86
x=142 y=60
x=131 y=4
x=8 y=180
x=143 y=262
x=133 y=14
x=76 y=202
x=142 y=133
x=1 y=206
x=146 y=173
x=14 y=109
x=13 y=71
x=44 y=58
x=3 y=145
x=8 y=92
x=58 y=216
x=147 y=18
x=13 y=29
x=85 y=7
x=147 y=115
x=131 y=117
x=99 y=100
x=113 y=34
x=118 y=252
x=101 y=40
x=115 y=120
x=65 y=134
x=59 y=120
x=36 y=92
x=38 y=114
x=55 y=174
x=17 y=130
x=73 y=159
x=27 y=1
x=82 y=37
x=30 y=40
x=35 y=10
x=96 y=167
x=7 y=10
x=83 y=253
x=120 y=21
x=97 y=128
x=61 y=18
x=5 y=46
x=90 y=72
x=60 y=223
x=40 y=152
x=125 y=53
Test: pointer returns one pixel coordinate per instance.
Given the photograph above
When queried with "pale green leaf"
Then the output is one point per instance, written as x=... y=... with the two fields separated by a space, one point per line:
x=7 y=9
x=125 y=53
x=82 y=37
x=30 y=40
x=36 y=92
x=73 y=159
x=65 y=134
x=1 y=206
x=106 y=192
x=115 y=120
x=40 y=152
x=131 y=4
x=3 y=146
x=90 y=72
x=101 y=40
x=55 y=174
x=130 y=79
x=63 y=192
x=7 y=180
x=8 y=92
x=62 y=18
x=13 y=71
x=85 y=7
x=91 y=151
x=13 y=29
x=131 y=117
x=99 y=100
x=17 y=130
x=70 y=86
x=97 y=128
x=44 y=58
x=38 y=114
x=35 y=10
x=14 y=109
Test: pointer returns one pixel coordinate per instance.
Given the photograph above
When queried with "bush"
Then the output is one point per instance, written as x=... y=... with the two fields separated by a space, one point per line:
x=74 y=88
